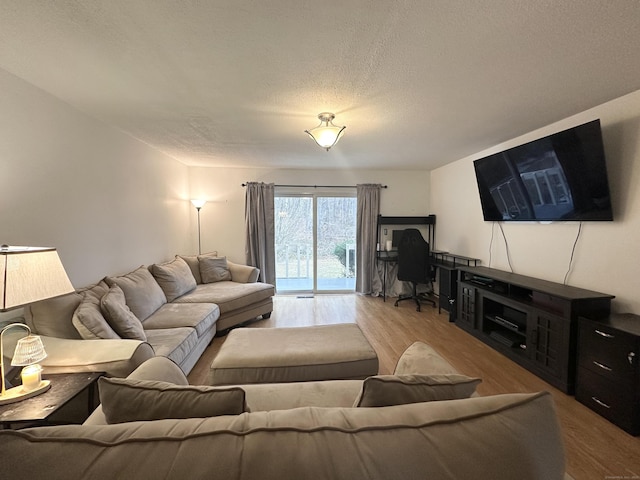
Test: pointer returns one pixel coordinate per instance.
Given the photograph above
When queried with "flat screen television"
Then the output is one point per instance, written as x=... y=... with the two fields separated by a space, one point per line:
x=561 y=177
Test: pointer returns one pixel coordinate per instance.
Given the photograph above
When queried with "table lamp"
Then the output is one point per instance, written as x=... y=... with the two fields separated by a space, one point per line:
x=27 y=275
x=29 y=351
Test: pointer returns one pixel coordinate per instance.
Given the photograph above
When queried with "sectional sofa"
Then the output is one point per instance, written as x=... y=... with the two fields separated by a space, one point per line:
x=421 y=422
x=171 y=309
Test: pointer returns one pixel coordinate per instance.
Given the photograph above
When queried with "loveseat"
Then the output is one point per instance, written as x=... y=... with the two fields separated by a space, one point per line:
x=265 y=432
x=171 y=309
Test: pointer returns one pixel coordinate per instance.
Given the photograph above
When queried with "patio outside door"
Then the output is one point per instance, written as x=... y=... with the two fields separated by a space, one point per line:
x=315 y=243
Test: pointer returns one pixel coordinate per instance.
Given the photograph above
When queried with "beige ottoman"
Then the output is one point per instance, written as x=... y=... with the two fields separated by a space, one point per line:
x=275 y=355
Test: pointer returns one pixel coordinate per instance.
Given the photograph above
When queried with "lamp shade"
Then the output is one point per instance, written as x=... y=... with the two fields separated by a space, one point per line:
x=29 y=350
x=30 y=274
x=326 y=134
x=198 y=203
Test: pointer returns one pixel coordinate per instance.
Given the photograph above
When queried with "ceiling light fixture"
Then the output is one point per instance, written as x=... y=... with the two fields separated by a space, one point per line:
x=326 y=134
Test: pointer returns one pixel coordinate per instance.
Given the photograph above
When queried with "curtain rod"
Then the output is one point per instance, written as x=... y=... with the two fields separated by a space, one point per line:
x=317 y=186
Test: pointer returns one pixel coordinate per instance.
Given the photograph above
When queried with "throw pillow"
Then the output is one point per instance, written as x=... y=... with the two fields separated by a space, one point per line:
x=95 y=292
x=387 y=390
x=175 y=278
x=213 y=269
x=144 y=295
x=89 y=321
x=120 y=317
x=127 y=400
x=194 y=264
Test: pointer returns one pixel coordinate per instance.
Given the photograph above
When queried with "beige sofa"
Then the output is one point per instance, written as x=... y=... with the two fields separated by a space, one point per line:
x=168 y=309
x=333 y=436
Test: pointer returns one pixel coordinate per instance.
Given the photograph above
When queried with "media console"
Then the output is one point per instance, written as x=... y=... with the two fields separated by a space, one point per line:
x=533 y=322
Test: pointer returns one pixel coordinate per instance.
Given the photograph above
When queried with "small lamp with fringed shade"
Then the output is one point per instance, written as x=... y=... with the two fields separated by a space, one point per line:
x=29 y=351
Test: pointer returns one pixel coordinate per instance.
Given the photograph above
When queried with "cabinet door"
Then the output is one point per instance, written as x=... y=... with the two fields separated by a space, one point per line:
x=448 y=283
x=466 y=306
x=548 y=342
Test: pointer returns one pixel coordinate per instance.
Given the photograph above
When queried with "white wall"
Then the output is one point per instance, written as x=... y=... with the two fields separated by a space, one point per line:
x=222 y=219
x=108 y=202
x=606 y=257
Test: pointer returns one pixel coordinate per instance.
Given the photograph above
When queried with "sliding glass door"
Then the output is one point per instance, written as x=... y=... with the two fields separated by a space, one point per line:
x=315 y=242
x=293 y=217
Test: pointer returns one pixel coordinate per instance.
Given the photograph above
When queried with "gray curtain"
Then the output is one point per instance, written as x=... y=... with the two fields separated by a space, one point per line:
x=260 y=237
x=367 y=278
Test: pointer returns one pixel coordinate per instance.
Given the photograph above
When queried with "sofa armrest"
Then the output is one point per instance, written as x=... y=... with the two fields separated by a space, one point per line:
x=114 y=357
x=155 y=369
x=243 y=273
x=422 y=359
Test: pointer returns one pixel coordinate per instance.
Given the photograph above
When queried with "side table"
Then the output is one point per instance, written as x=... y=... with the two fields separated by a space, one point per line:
x=39 y=410
x=386 y=257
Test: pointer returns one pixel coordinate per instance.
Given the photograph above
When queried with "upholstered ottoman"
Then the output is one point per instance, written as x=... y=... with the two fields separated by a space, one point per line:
x=275 y=355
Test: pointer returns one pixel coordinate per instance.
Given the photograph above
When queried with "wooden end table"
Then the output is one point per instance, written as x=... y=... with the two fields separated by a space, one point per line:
x=38 y=410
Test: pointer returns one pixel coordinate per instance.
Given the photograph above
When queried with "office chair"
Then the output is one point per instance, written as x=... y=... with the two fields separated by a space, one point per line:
x=414 y=265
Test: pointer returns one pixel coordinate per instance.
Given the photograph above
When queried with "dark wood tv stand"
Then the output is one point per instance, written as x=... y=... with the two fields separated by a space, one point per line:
x=533 y=322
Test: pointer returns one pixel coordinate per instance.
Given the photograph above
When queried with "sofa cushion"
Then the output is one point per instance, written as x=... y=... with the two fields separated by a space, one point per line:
x=229 y=296
x=201 y=316
x=142 y=293
x=213 y=269
x=120 y=317
x=174 y=343
x=284 y=396
x=90 y=322
x=127 y=400
x=194 y=264
x=387 y=390
x=175 y=278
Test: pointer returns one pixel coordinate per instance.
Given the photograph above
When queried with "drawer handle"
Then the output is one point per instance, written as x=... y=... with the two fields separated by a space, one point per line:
x=631 y=357
x=600 y=402
x=604 y=367
x=604 y=334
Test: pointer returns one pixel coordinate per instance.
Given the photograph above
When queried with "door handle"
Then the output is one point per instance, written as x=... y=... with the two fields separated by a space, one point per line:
x=631 y=357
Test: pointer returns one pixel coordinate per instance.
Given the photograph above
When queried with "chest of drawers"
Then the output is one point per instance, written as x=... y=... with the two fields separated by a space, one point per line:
x=608 y=379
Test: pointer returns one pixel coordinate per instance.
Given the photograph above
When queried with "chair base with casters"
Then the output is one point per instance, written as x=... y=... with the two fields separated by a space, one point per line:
x=419 y=298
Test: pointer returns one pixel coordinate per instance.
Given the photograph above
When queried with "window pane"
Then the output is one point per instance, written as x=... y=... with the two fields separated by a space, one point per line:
x=336 y=250
x=294 y=243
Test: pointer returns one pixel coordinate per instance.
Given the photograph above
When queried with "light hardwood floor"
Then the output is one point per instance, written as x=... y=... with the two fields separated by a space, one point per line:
x=595 y=448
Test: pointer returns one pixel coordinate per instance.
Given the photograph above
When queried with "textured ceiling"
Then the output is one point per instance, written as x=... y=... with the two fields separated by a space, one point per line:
x=235 y=83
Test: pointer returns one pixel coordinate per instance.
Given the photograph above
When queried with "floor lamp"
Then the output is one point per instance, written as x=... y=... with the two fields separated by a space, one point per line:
x=199 y=204
x=27 y=275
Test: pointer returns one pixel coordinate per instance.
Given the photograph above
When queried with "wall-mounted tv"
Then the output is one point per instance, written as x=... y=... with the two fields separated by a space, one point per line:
x=561 y=177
